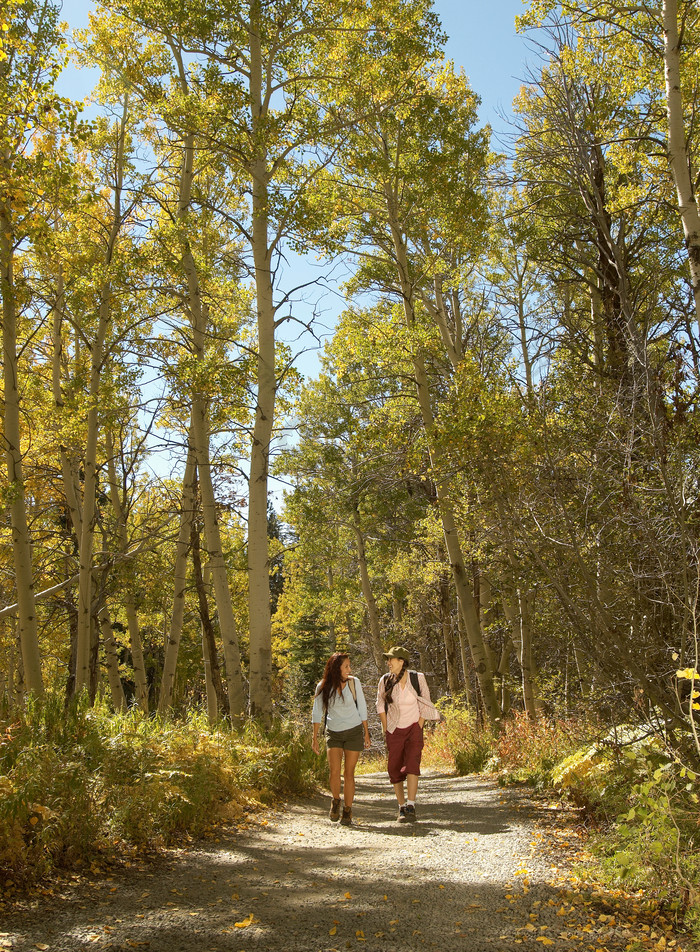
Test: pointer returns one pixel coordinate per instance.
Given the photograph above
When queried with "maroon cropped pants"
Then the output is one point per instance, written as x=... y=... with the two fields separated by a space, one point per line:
x=404 y=747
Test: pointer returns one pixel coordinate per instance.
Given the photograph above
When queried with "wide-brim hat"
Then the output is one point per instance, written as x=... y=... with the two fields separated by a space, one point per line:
x=397 y=652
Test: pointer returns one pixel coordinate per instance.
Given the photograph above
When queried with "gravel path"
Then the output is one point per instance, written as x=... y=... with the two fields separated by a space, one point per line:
x=470 y=875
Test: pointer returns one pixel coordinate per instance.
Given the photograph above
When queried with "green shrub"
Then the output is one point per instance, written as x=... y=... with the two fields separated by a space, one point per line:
x=528 y=751
x=459 y=742
x=75 y=778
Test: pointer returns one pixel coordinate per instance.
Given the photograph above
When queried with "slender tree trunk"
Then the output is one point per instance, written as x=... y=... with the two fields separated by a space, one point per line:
x=199 y=429
x=129 y=578
x=172 y=645
x=222 y=593
x=213 y=674
x=21 y=544
x=71 y=481
x=90 y=467
x=678 y=156
x=370 y=601
x=212 y=695
x=112 y=660
x=467 y=604
x=448 y=636
x=258 y=554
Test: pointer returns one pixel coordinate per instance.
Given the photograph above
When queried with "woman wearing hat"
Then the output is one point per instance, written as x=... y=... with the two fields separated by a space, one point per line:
x=340 y=706
x=403 y=705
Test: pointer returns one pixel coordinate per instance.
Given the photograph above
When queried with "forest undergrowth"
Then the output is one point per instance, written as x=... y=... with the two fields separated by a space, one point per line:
x=638 y=831
x=81 y=785
x=78 y=783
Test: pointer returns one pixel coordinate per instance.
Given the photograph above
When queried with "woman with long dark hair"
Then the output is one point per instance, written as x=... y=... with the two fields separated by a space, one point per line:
x=340 y=706
x=404 y=705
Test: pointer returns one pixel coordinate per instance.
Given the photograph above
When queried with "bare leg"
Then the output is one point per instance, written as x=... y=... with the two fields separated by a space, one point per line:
x=335 y=759
x=411 y=786
x=398 y=787
x=351 y=758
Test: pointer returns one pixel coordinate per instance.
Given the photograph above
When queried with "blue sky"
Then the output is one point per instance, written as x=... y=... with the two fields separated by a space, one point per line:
x=482 y=40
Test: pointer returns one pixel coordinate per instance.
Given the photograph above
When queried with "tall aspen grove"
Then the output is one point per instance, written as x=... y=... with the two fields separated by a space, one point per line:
x=494 y=459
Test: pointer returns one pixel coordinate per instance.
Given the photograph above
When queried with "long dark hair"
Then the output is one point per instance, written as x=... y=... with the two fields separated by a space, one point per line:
x=331 y=680
x=391 y=681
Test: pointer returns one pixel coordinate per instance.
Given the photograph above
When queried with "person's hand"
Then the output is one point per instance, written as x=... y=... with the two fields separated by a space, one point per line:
x=368 y=742
x=421 y=722
x=314 y=745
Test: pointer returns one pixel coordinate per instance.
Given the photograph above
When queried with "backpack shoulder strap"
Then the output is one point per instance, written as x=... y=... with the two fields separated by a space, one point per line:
x=353 y=688
x=415 y=683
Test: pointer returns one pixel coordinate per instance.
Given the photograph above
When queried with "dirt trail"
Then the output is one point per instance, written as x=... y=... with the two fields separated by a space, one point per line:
x=475 y=873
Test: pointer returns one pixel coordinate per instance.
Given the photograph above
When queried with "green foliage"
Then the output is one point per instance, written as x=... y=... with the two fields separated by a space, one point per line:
x=529 y=751
x=76 y=780
x=459 y=740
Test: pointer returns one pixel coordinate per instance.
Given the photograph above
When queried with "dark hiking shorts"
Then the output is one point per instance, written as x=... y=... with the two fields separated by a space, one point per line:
x=351 y=739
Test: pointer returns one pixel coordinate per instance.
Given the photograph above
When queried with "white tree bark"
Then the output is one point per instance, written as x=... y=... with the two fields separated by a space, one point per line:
x=678 y=155
x=216 y=564
x=112 y=660
x=465 y=596
x=200 y=435
x=21 y=544
x=90 y=466
x=132 y=620
x=370 y=601
x=258 y=544
x=172 y=645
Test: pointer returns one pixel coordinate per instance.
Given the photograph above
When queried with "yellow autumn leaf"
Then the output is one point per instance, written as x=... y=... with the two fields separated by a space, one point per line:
x=360 y=936
x=544 y=940
x=244 y=923
x=347 y=896
x=690 y=673
x=333 y=931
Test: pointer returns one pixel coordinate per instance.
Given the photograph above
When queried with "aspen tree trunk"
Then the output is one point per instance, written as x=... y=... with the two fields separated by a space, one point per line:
x=115 y=683
x=172 y=645
x=518 y=618
x=213 y=675
x=83 y=650
x=448 y=637
x=467 y=604
x=465 y=659
x=222 y=593
x=199 y=431
x=132 y=620
x=678 y=147
x=212 y=702
x=69 y=473
x=396 y=607
x=21 y=544
x=370 y=601
x=258 y=555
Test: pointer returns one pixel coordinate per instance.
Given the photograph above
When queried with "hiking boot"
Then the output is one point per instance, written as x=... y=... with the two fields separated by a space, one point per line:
x=335 y=810
x=346 y=818
x=402 y=818
x=410 y=813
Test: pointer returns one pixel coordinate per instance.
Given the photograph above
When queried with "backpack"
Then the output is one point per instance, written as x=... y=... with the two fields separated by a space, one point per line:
x=415 y=682
x=353 y=691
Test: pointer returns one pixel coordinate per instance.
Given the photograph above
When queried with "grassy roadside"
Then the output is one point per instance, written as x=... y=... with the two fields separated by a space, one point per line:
x=637 y=831
x=81 y=783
